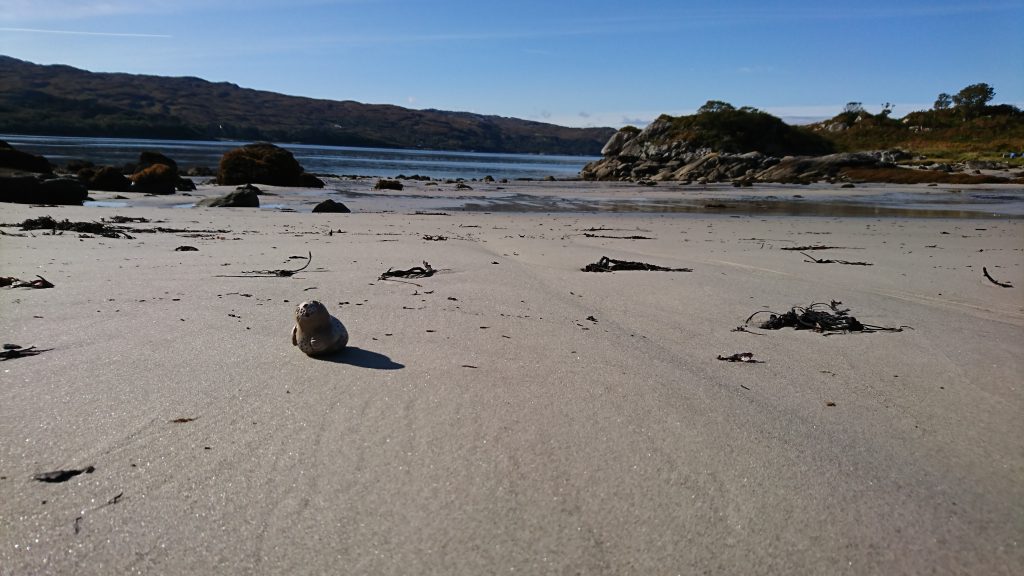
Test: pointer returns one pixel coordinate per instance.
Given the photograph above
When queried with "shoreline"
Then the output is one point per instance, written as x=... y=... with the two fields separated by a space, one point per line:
x=580 y=197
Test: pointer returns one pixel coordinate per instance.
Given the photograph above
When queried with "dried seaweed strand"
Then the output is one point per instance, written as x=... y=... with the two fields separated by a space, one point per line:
x=281 y=272
x=606 y=264
x=994 y=281
x=826 y=261
x=415 y=272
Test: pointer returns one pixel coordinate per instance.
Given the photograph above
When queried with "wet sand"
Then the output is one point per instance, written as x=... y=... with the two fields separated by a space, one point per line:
x=511 y=413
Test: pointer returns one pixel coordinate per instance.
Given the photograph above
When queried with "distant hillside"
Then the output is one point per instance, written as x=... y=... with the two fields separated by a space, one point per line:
x=61 y=100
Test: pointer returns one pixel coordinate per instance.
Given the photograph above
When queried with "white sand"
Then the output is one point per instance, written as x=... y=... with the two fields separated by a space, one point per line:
x=481 y=424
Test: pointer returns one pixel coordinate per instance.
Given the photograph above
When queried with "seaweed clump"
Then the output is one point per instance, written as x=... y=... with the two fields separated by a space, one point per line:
x=821 y=317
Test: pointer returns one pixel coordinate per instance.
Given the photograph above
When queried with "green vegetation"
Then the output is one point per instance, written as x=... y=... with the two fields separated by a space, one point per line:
x=722 y=127
x=963 y=126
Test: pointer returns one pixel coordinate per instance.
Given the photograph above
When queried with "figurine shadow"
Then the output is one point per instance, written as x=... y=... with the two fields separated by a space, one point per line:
x=356 y=356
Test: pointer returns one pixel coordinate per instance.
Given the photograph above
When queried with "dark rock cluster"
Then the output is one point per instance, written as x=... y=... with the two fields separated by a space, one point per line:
x=646 y=155
x=29 y=179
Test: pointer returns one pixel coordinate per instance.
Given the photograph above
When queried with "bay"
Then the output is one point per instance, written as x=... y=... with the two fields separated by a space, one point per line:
x=339 y=160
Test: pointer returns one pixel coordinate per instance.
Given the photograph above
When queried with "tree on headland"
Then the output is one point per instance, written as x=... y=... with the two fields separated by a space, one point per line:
x=715 y=106
x=973 y=99
x=943 y=102
x=853 y=108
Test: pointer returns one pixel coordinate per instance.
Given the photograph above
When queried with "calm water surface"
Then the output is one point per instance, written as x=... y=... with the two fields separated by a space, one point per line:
x=339 y=160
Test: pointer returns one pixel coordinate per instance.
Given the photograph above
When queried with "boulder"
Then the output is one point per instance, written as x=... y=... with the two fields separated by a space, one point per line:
x=157 y=174
x=62 y=191
x=155 y=179
x=260 y=163
x=149 y=158
x=23 y=188
x=236 y=199
x=15 y=159
x=617 y=141
x=107 y=178
x=330 y=206
x=184 y=184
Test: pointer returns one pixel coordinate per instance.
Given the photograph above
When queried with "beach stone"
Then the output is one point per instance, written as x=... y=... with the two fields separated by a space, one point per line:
x=330 y=206
x=184 y=184
x=383 y=184
x=11 y=157
x=307 y=180
x=260 y=163
x=236 y=199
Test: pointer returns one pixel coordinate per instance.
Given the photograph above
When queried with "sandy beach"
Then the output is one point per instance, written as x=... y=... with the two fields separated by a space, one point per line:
x=512 y=413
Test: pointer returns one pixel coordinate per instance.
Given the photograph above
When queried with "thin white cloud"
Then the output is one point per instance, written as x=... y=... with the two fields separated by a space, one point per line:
x=47 y=10
x=31 y=10
x=83 y=33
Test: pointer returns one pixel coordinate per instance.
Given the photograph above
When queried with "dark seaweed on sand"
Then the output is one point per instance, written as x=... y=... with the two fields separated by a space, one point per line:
x=820 y=317
x=606 y=264
x=97 y=228
x=424 y=271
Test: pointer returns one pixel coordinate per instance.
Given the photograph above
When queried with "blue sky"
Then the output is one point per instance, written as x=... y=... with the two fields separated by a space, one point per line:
x=575 y=63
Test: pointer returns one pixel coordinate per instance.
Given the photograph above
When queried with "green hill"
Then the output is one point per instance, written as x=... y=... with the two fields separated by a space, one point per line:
x=61 y=100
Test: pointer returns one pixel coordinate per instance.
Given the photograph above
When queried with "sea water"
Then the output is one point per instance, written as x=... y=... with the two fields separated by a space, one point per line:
x=338 y=160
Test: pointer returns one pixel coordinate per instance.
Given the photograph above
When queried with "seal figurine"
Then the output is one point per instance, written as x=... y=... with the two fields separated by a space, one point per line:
x=316 y=332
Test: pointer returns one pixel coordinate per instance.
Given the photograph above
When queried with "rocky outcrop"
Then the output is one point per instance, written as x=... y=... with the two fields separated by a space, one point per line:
x=263 y=163
x=648 y=155
x=799 y=169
